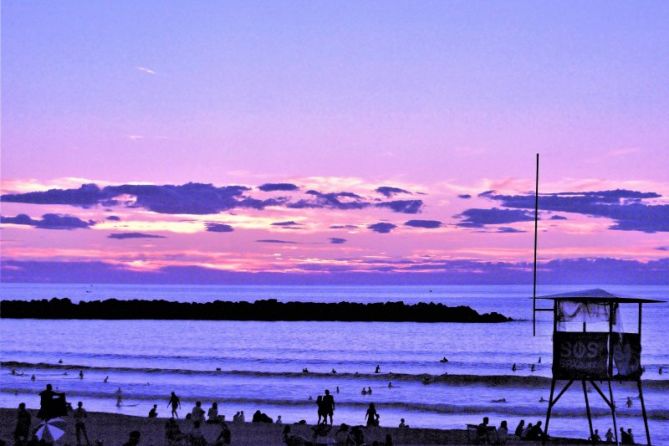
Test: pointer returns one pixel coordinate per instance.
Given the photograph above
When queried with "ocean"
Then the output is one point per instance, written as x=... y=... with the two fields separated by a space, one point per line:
x=258 y=365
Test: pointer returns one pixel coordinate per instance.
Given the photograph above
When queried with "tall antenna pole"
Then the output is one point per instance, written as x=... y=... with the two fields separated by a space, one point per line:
x=536 y=228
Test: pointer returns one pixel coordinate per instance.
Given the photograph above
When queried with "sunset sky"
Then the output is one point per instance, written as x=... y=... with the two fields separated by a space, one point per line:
x=334 y=142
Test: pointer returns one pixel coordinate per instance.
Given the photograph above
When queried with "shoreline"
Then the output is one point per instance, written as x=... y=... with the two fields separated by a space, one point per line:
x=113 y=429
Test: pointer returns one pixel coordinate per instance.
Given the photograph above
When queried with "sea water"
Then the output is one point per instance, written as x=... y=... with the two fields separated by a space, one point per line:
x=258 y=365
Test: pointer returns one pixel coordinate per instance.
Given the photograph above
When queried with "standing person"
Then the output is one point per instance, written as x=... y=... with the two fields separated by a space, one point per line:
x=328 y=406
x=212 y=414
x=48 y=404
x=519 y=429
x=81 y=374
x=609 y=436
x=119 y=397
x=80 y=423
x=320 y=408
x=174 y=403
x=371 y=415
x=23 y=424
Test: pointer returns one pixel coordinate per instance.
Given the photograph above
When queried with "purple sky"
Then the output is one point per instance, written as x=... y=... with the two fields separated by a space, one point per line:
x=331 y=140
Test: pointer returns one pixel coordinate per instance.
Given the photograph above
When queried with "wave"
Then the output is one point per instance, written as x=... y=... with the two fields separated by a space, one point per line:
x=427 y=379
x=485 y=409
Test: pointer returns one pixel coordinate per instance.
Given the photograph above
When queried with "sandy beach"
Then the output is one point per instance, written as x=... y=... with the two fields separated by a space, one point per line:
x=113 y=429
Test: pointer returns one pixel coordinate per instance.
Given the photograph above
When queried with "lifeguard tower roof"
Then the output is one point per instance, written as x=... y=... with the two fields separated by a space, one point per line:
x=597 y=295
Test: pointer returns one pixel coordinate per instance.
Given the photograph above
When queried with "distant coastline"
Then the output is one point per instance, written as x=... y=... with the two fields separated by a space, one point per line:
x=260 y=310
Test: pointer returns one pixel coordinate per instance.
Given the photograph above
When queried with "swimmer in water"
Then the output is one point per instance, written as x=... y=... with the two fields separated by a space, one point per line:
x=390 y=385
x=119 y=397
x=106 y=380
x=513 y=367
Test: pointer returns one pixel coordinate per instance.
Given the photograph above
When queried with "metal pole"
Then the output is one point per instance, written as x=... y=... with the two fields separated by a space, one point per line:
x=534 y=275
x=643 y=412
x=550 y=407
x=587 y=408
x=613 y=413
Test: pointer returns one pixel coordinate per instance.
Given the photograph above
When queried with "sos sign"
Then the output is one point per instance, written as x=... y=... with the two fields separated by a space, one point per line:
x=580 y=355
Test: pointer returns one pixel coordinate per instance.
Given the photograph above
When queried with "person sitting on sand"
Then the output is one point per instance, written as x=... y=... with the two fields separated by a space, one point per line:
x=175 y=403
x=595 y=438
x=343 y=437
x=482 y=431
x=519 y=429
x=197 y=414
x=80 y=416
x=502 y=433
x=195 y=437
x=173 y=434
x=294 y=440
x=225 y=437
x=371 y=415
x=212 y=414
x=134 y=439
x=403 y=425
x=535 y=433
x=153 y=413
x=526 y=431
x=23 y=423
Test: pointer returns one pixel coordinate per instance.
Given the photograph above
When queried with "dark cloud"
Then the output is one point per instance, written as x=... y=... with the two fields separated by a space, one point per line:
x=479 y=218
x=337 y=240
x=190 y=198
x=508 y=230
x=114 y=218
x=49 y=221
x=389 y=191
x=403 y=206
x=428 y=224
x=662 y=248
x=132 y=235
x=332 y=200
x=219 y=227
x=626 y=207
x=270 y=187
x=201 y=198
x=558 y=217
x=287 y=223
x=382 y=228
x=343 y=227
x=87 y=195
x=275 y=241
x=465 y=196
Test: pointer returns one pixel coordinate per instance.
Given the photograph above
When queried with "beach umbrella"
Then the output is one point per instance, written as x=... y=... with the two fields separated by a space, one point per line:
x=50 y=430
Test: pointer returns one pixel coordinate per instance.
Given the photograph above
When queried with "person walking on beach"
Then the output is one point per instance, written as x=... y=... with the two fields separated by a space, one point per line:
x=328 y=407
x=175 y=404
x=23 y=424
x=371 y=415
x=80 y=423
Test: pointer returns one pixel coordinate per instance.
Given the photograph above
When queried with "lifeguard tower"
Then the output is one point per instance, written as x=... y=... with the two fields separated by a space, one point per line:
x=589 y=342
x=590 y=345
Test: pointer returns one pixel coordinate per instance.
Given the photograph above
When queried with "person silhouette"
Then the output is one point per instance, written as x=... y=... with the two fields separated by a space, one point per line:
x=175 y=403
x=328 y=406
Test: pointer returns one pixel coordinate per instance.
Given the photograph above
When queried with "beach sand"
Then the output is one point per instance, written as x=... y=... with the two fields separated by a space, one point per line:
x=113 y=430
